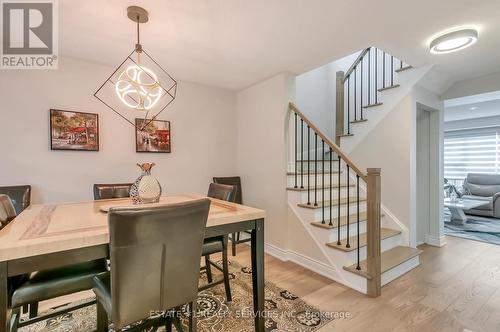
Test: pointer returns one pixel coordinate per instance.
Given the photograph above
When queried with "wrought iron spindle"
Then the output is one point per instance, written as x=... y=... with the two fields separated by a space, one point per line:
x=357 y=195
x=392 y=70
x=383 y=70
x=323 y=182
x=315 y=169
x=376 y=76
x=355 y=93
x=361 y=91
x=296 y=162
x=369 y=75
x=308 y=165
x=348 y=245
x=349 y=104
x=302 y=153
x=331 y=186
x=338 y=203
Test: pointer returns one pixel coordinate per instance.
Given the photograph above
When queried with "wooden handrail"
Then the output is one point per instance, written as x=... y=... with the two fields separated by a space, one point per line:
x=329 y=142
x=356 y=62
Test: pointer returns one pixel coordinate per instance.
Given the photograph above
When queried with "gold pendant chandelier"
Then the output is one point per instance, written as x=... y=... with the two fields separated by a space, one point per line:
x=139 y=86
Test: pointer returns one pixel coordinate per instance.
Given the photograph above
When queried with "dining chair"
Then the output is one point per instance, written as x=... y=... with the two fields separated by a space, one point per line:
x=218 y=244
x=111 y=190
x=47 y=284
x=20 y=196
x=234 y=181
x=153 y=269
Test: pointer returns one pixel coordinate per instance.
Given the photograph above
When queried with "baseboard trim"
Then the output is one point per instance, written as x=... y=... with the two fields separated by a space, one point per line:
x=435 y=240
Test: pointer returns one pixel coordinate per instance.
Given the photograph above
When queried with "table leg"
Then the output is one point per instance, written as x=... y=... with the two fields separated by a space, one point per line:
x=258 y=274
x=458 y=216
x=4 y=310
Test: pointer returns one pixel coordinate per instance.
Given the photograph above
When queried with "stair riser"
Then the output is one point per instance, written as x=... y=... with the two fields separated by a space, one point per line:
x=326 y=193
x=313 y=166
x=343 y=211
x=385 y=245
x=291 y=179
x=343 y=231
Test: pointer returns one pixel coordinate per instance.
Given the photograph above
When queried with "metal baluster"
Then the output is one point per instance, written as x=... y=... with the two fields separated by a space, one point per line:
x=369 y=75
x=349 y=104
x=308 y=165
x=400 y=64
x=331 y=186
x=361 y=87
x=348 y=245
x=338 y=203
x=323 y=182
x=315 y=169
x=357 y=192
x=376 y=76
x=296 y=162
x=383 y=71
x=392 y=70
x=355 y=93
x=302 y=153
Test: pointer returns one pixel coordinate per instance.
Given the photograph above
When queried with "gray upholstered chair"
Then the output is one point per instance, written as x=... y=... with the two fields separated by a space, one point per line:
x=152 y=267
x=43 y=285
x=234 y=181
x=111 y=190
x=218 y=244
x=20 y=196
x=483 y=187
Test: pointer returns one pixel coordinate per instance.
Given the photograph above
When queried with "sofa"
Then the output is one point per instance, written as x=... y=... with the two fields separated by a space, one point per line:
x=483 y=187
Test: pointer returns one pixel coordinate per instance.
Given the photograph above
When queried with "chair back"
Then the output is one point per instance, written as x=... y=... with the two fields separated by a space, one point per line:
x=232 y=181
x=7 y=211
x=222 y=191
x=20 y=196
x=111 y=190
x=155 y=257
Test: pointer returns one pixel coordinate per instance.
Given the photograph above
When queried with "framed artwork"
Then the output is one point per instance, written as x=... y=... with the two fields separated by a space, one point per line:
x=77 y=131
x=155 y=137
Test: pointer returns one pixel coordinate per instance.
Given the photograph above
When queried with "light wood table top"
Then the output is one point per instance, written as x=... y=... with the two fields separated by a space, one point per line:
x=48 y=228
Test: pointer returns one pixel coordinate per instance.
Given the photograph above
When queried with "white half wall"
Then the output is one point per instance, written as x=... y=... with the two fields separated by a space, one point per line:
x=203 y=135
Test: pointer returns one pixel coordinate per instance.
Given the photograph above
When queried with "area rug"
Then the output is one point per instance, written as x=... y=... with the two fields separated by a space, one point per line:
x=284 y=311
x=476 y=228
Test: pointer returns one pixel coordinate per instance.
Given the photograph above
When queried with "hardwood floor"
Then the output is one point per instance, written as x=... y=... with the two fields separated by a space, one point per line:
x=456 y=288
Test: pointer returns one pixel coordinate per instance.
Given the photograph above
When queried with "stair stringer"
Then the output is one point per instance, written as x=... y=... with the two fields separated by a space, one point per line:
x=390 y=99
x=320 y=237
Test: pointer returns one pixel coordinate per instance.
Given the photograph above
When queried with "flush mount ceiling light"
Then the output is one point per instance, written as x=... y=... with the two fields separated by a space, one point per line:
x=139 y=87
x=454 y=41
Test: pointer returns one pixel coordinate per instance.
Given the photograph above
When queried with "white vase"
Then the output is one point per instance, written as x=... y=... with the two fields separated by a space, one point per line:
x=146 y=189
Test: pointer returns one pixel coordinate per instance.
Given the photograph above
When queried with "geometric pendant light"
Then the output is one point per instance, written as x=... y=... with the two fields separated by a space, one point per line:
x=139 y=89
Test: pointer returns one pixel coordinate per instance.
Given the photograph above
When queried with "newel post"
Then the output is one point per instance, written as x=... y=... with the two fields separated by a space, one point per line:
x=339 y=106
x=373 y=232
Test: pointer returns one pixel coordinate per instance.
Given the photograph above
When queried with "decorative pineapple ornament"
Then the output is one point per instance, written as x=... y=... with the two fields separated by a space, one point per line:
x=146 y=189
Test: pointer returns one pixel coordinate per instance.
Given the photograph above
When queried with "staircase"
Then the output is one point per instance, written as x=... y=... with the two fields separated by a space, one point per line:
x=338 y=203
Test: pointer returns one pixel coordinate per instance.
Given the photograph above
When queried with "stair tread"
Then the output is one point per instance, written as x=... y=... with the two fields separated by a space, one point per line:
x=345 y=135
x=360 y=120
x=327 y=171
x=373 y=105
x=389 y=259
x=343 y=200
x=342 y=185
x=403 y=69
x=388 y=87
x=343 y=220
x=385 y=233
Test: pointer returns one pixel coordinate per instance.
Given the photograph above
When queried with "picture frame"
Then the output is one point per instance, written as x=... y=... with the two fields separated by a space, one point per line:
x=73 y=130
x=156 y=137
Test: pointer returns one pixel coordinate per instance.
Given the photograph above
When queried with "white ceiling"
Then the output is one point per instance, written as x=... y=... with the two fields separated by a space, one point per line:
x=472 y=110
x=235 y=43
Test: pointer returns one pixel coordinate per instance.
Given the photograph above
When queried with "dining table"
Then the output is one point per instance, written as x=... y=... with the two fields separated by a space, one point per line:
x=46 y=236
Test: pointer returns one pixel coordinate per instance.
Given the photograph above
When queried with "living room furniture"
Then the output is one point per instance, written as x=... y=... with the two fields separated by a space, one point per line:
x=145 y=246
x=458 y=206
x=79 y=232
x=486 y=188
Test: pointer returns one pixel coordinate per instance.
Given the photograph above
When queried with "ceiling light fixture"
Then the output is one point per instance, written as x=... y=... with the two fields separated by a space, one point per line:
x=139 y=83
x=454 y=41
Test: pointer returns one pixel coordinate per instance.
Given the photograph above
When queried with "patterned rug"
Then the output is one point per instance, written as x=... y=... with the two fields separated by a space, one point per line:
x=476 y=228
x=284 y=310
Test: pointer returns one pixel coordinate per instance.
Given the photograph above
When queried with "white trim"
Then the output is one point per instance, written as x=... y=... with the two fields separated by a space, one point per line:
x=435 y=241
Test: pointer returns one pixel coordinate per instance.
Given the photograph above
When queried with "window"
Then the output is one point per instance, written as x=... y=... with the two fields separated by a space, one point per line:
x=471 y=151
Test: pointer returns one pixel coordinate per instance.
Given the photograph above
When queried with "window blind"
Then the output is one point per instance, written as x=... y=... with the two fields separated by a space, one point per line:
x=471 y=151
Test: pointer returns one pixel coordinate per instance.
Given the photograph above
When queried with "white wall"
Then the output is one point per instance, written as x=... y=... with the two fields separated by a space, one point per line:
x=489 y=121
x=203 y=135
x=475 y=86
